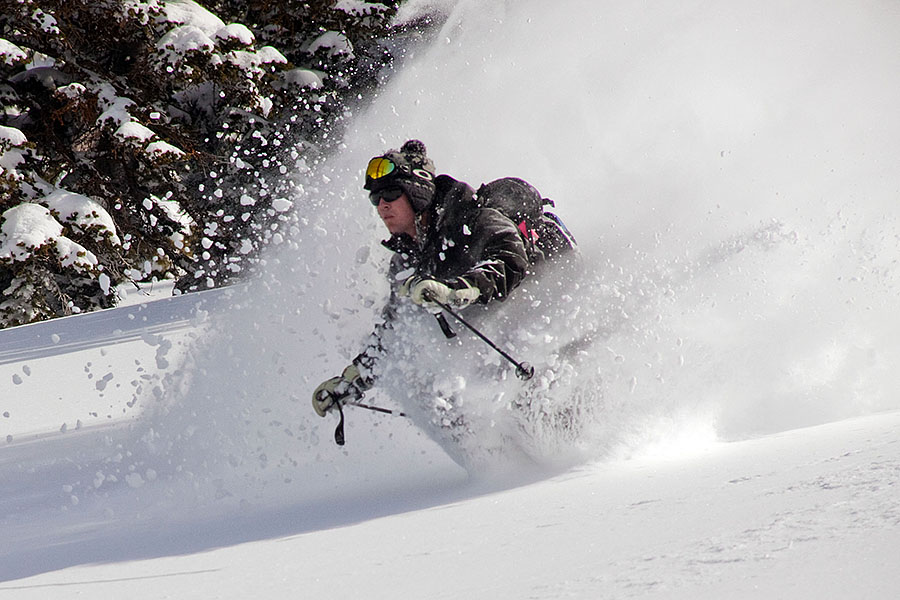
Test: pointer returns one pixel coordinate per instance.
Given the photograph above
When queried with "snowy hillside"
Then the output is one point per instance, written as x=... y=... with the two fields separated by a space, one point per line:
x=94 y=368
x=805 y=514
x=730 y=172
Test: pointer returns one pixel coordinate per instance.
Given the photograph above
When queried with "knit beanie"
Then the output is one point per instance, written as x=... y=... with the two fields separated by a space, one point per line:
x=408 y=169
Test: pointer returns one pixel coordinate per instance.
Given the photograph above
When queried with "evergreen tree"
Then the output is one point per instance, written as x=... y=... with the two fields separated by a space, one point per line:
x=146 y=139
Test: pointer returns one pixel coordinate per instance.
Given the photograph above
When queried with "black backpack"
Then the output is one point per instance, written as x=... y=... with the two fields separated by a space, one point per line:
x=545 y=235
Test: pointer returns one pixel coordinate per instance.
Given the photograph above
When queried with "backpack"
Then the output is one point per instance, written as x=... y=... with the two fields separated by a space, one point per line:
x=544 y=234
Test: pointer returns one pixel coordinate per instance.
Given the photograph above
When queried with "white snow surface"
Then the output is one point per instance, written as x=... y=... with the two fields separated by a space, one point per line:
x=81 y=210
x=10 y=53
x=10 y=157
x=27 y=226
x=188 y=12
x=30 y=226
x=133 y=129
x=186 y=38
x=161 y=147
x=805 y=514
x=358 y=7
x=10 y=136
x=334 y=41
x=730 y=172
x=236 y=31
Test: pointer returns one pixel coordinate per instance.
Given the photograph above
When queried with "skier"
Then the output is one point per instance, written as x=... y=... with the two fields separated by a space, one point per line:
x=448 y=249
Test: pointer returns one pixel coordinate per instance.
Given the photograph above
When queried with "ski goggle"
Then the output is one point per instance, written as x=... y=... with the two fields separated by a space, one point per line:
x=387 y=195
x=380 y=167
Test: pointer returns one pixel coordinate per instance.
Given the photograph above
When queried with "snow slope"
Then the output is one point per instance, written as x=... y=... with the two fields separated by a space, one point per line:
x=40 y=389
x=730 y=172
x=804 y=514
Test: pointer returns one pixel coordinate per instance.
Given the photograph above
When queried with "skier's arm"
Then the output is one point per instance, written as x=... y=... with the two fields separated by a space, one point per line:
x=359 y=376
x=366 y=360
x=503 y=261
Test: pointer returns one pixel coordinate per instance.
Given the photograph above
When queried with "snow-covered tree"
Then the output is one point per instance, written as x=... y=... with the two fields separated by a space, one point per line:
x=174 y=125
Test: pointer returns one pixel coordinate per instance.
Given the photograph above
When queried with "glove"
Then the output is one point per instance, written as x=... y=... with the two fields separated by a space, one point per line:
x=349 y=385
x=429 y=292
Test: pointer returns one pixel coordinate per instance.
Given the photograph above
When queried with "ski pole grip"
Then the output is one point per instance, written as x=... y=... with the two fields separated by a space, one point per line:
x=339 y=430
x=445 y=326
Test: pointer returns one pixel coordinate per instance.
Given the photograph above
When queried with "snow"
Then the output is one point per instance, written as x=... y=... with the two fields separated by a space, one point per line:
x=73 y=254
x=268 y=54
x=199 y=31
x=252 y=60
x=184 y=39
x=10 y=53
x=188 y=12
x=335 y=42
x=115 y=107
x=134 y=130
x=730 y=172
x=10 y=158
x=11 y=136
x=358 y=7
x=73 y=90
x=236 y=31
x=303 y=78
x=45 y=21
x=161 y=147
x=174 y=211
x=80 y=209
x=282 y=204
x=27 y=226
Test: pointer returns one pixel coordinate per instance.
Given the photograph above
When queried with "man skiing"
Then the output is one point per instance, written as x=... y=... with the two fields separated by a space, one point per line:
x=448 y=249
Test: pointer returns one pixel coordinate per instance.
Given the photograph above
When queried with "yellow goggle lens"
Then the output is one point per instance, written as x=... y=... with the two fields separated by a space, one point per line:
x=379 y=167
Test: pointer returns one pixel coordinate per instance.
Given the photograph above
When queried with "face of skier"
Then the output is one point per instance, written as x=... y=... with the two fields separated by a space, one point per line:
x=397 y=214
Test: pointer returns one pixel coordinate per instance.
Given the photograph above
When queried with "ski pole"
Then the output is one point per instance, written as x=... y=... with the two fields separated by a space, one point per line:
x=386 y=411
x=524 y=370
x=339 y=438
x=339 y=430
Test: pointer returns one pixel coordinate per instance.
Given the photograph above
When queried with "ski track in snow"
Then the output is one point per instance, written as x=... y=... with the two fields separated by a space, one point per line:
x=730 y=173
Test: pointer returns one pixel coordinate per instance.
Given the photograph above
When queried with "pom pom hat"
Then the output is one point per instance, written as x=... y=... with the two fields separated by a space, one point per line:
x=408 y=169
